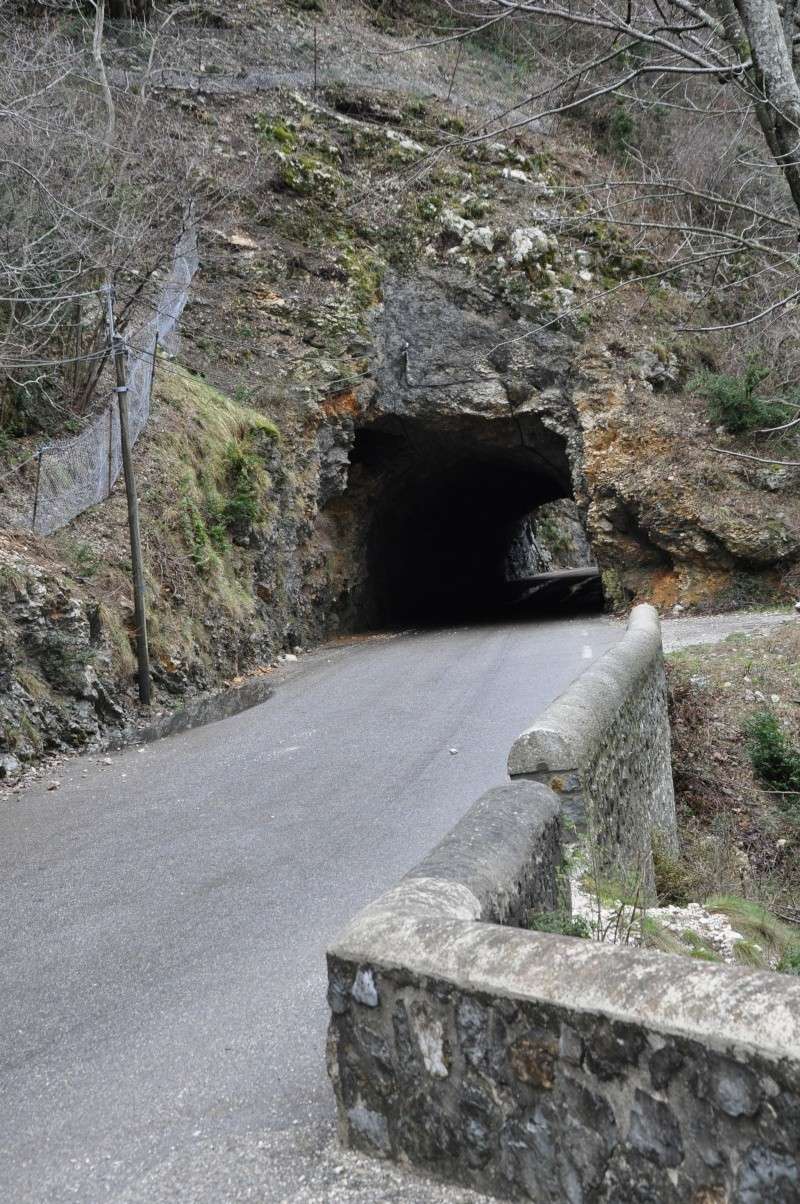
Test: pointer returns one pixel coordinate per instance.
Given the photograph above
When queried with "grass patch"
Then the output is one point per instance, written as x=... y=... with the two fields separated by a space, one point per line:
x=758 y=925
x=210 y=496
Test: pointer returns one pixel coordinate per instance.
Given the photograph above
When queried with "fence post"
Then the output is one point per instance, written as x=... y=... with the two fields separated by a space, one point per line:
x=152 y=375
x=140 y=617
x=39 y=455
x=110 y=444
x=77 y=348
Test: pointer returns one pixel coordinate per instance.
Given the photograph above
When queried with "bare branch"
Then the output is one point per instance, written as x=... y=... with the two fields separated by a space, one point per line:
x=725 y=451
x=759 y=317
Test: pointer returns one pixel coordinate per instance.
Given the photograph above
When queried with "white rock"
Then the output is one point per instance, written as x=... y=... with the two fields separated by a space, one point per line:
x=528 y=243
x=481 y=236
x=364 y=990
x=455 y=224
x=514 y=173
x=430 y=1040
x=586 y=276
x=583 y=259
x=10 y=768
x=402 y=141
x=565 y=296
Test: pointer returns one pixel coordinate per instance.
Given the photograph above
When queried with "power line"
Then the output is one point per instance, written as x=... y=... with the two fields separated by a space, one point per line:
x=54 y=300
x=75 y=359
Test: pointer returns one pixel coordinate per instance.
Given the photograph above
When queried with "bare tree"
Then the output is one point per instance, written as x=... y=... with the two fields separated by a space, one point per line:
x=734 y=59
x=93 y=190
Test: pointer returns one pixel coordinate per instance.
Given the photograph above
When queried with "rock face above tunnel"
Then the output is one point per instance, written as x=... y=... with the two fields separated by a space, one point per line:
x=445 y=347
x=466 y=427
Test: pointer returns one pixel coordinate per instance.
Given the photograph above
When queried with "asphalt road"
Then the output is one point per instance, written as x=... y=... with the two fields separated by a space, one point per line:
x=164 y=917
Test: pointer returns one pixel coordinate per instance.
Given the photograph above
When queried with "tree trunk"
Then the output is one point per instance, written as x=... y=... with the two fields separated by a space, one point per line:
x=774 y=75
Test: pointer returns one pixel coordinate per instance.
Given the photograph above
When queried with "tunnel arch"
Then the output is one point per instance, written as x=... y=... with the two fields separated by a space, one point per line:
x=445 y=502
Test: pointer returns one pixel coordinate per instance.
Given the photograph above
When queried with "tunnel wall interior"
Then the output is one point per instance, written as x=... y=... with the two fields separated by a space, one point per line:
x=448 y=533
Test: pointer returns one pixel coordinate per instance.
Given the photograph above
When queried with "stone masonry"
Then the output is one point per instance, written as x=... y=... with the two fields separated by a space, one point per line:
x=544 y=1067
x=604 y=748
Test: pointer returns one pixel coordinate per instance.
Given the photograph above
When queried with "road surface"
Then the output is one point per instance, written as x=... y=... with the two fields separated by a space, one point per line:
x=164 y=917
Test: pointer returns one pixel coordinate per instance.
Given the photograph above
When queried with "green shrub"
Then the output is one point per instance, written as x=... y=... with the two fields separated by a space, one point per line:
x=242 y=509
x=698 y=947
x=775 y=760
x=790 y=962
x=621 y=130
x=200 y=541
x=733 y=401
x=276 y=131
x=560 y=922
x=672 y=883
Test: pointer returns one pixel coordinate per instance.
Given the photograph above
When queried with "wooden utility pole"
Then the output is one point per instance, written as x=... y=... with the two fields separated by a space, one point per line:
x=140 y=617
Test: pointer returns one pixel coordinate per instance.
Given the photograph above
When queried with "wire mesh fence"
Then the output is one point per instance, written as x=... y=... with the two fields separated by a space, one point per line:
x=69 y=475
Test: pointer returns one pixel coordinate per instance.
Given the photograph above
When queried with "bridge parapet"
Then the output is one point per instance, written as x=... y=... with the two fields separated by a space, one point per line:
x=543 y=1067
x=604 y=748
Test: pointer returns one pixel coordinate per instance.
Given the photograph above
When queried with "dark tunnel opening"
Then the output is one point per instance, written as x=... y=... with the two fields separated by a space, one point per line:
x=451 y=532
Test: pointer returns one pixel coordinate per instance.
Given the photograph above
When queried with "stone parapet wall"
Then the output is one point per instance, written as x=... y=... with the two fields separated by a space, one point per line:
x=604 y=748
x=544 y=1067
x=547 y=1068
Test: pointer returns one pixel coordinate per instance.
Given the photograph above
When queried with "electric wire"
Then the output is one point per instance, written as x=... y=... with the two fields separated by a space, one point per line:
x=54 y=300
x=23 y=365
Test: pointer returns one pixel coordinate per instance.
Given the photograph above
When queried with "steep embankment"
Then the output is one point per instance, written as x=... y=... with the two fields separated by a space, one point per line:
x=380 y=385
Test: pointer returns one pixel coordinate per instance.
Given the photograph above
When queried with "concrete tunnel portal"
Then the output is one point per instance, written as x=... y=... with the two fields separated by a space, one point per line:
x=449 y=522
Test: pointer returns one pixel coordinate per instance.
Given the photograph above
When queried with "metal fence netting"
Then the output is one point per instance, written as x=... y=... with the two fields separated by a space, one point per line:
x=79 y=471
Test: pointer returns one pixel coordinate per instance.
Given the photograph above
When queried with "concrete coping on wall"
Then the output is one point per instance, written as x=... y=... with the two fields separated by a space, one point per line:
x=567 y=732
x=719 y=1006
x=433 y=925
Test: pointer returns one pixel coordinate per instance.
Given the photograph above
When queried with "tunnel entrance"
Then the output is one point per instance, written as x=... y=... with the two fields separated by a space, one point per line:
x=451 y=530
